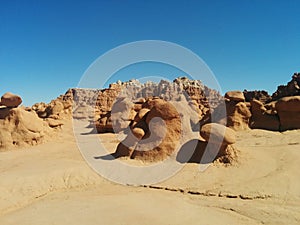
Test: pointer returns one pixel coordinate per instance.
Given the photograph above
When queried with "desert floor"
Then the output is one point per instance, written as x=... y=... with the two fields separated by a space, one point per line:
x=52 y=184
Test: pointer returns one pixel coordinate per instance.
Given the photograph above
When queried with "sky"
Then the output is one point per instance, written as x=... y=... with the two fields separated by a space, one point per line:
x=46 y=46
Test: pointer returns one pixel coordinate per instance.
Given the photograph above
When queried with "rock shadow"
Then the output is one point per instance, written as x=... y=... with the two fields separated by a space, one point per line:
x=193 y=152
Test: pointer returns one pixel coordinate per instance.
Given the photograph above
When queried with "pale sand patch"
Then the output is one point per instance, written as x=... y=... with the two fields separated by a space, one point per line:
x=52 y=184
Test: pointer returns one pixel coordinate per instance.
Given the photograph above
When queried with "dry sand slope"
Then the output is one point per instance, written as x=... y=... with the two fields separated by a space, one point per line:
x=52 y=184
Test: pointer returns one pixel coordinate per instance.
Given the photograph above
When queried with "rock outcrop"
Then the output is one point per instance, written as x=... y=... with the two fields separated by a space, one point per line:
x=156 y=133
x=10 y=100
x=233 y=112
x=279 y=112
x=234 y=96
x=155 y=116
x=261 y=96
x=19 y=128
x=220 y=139
x=288 y=109
x=291 y=89
x=97 y=105
x=262 y=118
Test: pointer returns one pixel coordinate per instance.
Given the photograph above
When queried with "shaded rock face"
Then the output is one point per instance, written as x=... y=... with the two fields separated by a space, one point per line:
x=10 y=100
x=262 y=118
x=288 y=109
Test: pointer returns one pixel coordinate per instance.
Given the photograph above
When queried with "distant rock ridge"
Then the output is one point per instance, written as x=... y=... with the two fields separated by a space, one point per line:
x=292 y=88
x=261 y=96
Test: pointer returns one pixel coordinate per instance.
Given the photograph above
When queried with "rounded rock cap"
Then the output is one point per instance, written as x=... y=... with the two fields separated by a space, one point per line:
x=217 y=133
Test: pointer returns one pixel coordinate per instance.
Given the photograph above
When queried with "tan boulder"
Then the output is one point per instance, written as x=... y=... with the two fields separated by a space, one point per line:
x=236 y=96
x=21 y=128
x=139 y=133
x=220 y=140
x=156 y=133
x=217 y=133
x=163 y=134
x=10 y=100
x=288 y=109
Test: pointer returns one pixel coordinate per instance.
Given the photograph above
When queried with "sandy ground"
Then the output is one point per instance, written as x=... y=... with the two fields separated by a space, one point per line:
x=52 y=184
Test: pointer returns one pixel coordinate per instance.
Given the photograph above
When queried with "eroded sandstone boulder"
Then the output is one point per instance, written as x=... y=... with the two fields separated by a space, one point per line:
x=288 y=109
x=156 y=135
x=262 y=118
x=220 y=139
x=236 y=96
x=10 y=100
x=234 y=112
x=21 y=128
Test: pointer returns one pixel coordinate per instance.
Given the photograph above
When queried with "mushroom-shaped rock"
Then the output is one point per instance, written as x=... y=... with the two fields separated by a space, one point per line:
x=219 y=140
x=238 y=115
x=163 y=133
x=156 y=135
x=217 y=133
x=10 y=100
x=237 y=96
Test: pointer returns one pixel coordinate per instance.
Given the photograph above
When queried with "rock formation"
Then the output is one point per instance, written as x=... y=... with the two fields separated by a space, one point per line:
x=291 y=89
x=261 y=96
x=157 y=118
x=288 y=109
x=10 y=100
x=279 y=112
x=157 y=129
x=97 y=104
x=19 y=127
x=220 y=139
x=233 y=112
x=262 y=118
x=156 y=133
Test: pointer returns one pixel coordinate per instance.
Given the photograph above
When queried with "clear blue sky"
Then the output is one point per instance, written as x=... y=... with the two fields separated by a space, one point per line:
x=47 y=45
